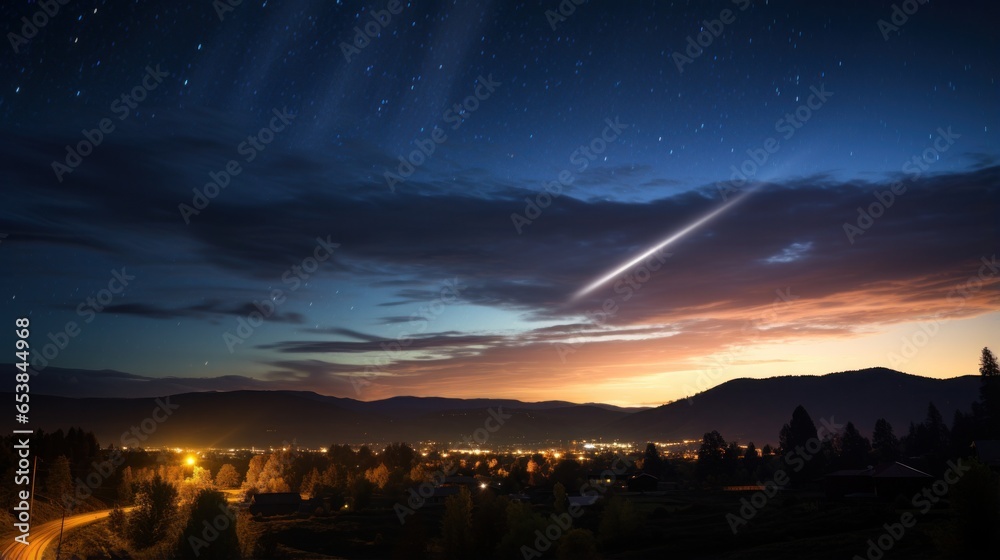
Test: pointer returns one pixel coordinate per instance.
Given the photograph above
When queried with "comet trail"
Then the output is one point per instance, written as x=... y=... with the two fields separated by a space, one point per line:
x=687 y=229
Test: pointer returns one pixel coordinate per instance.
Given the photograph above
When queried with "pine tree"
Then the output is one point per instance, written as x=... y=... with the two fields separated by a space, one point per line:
x=884 y=442
x=989 y=392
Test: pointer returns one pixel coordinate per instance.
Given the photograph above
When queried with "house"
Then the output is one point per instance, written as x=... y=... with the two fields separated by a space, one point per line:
x=885 y=481
x=275 y=503
x=642 y=482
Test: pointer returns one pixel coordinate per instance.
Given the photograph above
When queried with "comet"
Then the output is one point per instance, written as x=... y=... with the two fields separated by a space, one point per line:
x=662 y=245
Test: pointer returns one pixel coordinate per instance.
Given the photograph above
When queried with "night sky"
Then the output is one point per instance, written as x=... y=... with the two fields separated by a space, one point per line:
x=386 y=270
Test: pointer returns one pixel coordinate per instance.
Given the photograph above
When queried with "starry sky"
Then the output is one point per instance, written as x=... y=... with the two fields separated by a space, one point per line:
x=371 y=199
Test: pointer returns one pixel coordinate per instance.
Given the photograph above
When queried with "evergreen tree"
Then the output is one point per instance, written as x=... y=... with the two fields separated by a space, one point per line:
x=884 y=443
x=854 y=448
x=989 y=393
x=800 y=437
x=652 y=463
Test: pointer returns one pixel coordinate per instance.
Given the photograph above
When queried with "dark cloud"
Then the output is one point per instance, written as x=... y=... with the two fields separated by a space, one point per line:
x=200 y=311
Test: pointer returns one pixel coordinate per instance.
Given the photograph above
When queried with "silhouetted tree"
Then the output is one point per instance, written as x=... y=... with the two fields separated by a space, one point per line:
x=412 y=545
x=522 y=522
x=798 y=432
x=559 y=500
x=976 y=499
x=619 y=521
x=342 y=456
x=578 y=544
x=885 y=445
x=360 y=490
x=750 y=459
x=489 y=523
x=652 y=463
x=398 y=457
x=710 y=455
x=731 y=459
x=365 y=458
x=989 y=393
x=799 y=436
x=854 y=448
x=456 y=526
x=210 y=532
x=567 y=472
x=963 y=432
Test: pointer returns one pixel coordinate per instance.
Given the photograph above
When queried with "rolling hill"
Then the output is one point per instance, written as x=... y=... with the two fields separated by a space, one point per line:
x=741 y=409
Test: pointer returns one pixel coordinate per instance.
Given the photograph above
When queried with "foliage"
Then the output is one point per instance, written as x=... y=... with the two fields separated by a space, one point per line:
x=227 y=477
x=456 y=526
x=156 y=506
x=210 y=532
x=578 y=544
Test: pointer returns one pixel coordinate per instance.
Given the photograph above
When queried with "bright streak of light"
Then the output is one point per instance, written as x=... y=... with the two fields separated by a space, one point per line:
x=688 y=229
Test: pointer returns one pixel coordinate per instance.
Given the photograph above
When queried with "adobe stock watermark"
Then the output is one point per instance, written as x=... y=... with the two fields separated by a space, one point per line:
x=796 y=460
x=914 y=168
x=249 y=149
x=626 y=286
x=122 y=107
x=30 y=27
x=293 y=277
x=899 y=16
x=707 y=378
x=418 y=496
x=87 y=310
x=923 y=501
x=450 y=293
x=709 y=32
x=211 y=530
x=911 y=344
x=223 y=7
x=456 y=116
x=581 y=157
x=563 y=11
x=544 y=540
x=364 y=35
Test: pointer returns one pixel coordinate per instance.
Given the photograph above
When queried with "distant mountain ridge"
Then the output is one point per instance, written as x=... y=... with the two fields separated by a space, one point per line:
x=741 y=409
x=755 y=409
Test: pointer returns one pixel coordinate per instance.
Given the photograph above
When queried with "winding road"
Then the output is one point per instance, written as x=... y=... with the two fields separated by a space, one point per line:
x=46 y=535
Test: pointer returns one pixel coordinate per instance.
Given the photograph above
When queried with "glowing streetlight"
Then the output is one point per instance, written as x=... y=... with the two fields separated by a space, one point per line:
x=190 y=460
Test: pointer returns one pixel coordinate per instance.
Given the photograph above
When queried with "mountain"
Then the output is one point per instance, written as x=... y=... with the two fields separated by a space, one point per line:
x=277 y=418
x=755 y=409
x=742 y=409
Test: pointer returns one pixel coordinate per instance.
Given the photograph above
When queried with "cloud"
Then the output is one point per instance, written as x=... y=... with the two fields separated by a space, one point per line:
x=787 y=235
x=200 y=311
